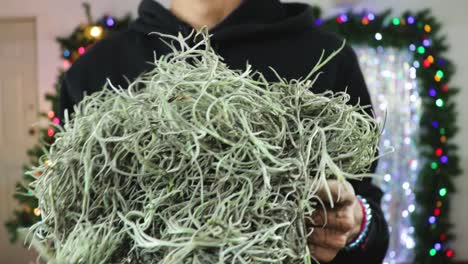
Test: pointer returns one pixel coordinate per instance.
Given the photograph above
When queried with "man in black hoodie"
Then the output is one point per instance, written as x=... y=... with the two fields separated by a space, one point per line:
x=264 y=33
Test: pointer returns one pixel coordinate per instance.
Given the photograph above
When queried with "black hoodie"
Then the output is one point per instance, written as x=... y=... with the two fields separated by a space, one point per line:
x=264 y=33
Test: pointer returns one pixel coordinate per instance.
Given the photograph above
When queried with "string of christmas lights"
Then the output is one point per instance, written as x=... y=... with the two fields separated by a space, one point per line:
x=437 y=162
x=72 y=46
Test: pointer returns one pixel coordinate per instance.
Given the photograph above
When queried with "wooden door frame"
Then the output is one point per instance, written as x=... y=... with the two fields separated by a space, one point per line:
x=35 y=81
x=33 y=19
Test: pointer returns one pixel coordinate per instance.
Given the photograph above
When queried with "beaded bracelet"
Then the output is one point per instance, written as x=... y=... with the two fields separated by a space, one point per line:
x=366 y=221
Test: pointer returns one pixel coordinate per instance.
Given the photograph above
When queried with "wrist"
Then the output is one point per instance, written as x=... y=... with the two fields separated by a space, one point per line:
x=365 y=211
x=359 y=220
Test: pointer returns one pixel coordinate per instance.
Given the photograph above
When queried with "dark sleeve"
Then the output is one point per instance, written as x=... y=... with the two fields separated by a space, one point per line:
x=376 y=244
x=65 y=100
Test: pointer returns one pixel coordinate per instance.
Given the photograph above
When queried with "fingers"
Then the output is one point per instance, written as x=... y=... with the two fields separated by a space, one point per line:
x=328 y=238
x=323 y=254
x=326 y=243
x=342 y=193
x=340 y=219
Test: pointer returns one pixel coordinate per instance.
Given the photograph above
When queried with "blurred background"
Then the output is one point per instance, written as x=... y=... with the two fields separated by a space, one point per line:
x=32 y=59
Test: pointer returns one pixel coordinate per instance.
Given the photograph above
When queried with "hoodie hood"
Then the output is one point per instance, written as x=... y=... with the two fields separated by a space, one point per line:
x=251 y=17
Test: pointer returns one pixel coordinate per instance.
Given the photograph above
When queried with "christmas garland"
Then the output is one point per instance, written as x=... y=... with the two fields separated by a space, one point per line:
x=420 y=33
x=72 y=46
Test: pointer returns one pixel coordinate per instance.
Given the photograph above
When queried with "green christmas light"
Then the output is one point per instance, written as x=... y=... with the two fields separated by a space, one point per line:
x=440 y=74
x=432 y=252
x=434 y=165
x=439 y=102
x=443 y=192
x=442 y=131
x=396 y=21
x=421 y=50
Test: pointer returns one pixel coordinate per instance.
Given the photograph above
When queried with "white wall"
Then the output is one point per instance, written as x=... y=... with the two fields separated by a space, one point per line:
x=59 y=17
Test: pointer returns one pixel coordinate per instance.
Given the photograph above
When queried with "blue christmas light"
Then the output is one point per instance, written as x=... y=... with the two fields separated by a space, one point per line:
x=66 y=53
x=410 y=20
x=441 y=62
x=432 y=92
x=110 y=22
x=318 y=22
x=344 y=18
x=444 y=159
x=435 y=124
x=432 y=220
x=426 y=43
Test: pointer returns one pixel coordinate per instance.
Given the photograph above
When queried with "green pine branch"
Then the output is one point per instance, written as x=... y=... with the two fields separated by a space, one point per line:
x=24 y=216
x=434 y=175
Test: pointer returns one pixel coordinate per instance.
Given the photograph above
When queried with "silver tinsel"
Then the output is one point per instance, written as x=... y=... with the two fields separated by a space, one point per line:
x=391 y=78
